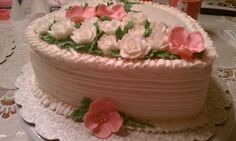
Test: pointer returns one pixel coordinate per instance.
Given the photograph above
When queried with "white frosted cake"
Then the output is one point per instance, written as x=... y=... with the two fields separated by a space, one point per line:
x=109 y=63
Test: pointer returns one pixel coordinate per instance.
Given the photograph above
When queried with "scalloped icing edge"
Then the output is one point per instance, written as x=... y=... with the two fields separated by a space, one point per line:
x=73 y=57
x=161 y=126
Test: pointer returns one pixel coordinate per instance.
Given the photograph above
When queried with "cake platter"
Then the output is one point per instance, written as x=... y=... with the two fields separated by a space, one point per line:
x=223 y=131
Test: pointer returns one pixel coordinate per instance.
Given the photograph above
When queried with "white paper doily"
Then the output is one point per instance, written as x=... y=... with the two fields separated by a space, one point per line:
x=51 y=125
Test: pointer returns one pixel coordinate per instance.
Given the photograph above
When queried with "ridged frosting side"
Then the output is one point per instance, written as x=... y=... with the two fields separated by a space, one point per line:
x=29 y=91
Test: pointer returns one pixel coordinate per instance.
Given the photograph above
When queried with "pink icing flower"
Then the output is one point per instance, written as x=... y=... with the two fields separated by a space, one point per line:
x=103 y=118
x=118 y=12
x=78 y=13
x=185 y=44
x=114 y=12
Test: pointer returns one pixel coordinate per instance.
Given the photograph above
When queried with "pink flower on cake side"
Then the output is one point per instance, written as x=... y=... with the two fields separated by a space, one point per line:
x=185 y=44
x=78 y=14
x=103 y=118
x=114 y=12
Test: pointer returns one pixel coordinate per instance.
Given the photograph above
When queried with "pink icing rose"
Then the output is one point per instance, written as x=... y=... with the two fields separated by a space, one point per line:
x=103 y=118
x=185 y=44
x=114 y=12
x=78 y=13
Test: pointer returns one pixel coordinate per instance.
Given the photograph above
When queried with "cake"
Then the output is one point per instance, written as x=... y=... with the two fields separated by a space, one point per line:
x=120 y=63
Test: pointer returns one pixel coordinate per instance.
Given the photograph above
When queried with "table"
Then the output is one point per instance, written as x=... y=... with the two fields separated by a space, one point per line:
x=219 y=28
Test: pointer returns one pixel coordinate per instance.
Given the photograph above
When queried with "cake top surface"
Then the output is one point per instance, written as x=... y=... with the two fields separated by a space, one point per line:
x=123 y=33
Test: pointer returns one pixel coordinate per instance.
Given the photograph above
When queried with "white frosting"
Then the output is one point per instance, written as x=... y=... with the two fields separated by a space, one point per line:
x=85 y=34
x=107 y=43
x=61 y=29
x=159 y=27
x=137 y=30
x=149 y=89
x=90 y=21
x=159 y=38
x=132 y=46
x=136 y=18
x=109 y=27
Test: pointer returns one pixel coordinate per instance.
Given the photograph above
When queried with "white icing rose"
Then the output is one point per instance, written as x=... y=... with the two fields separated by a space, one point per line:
x=158 y=41
x=90 y=21
x=136 y=18
x=107 y=43
x=85 y=34
x=43 y=26
x=109 y=27
x=159 y=38
x=137 y=30
x=60 y=17
x=61 y=29
x=132 y=47
x=159 y=27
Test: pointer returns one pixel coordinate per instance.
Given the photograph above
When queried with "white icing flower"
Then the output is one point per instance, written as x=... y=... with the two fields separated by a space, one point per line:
x=132 y=47
x=136 y=18
x=109 y=27
x=158 y=41
x=60 y=17
x=107 y=43
x=85 y=34
x=159 y=27
x=61 y=29
x=43 y=26
x=90 y=21
x=137 y=30
x=159 y=37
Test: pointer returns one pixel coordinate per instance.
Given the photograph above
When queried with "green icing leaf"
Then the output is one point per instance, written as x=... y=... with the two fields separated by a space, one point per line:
x=104 y=18
x=50 y=27
x=62 y=43
x=128 y=26
x=68 y=8
x=148 y=29
x=93 y=45
x=154 y=54
x=78 y=114
x=131 y=121
x=85 y=103
x=47 y=38
x=66 y=44
x=166 y=55
x=147 y=24
x=97 y=26
x=119 y=33
x=77 y=25
x=85 y=5
x=97 y=7
x=109 y=3
x=128 y=5
x=83 y=48
x=147 y=32
x=199 y=55
x=115 y=53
